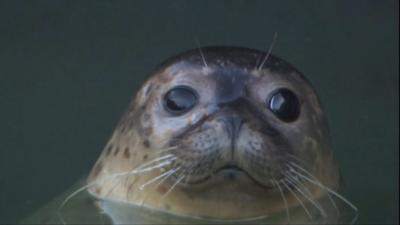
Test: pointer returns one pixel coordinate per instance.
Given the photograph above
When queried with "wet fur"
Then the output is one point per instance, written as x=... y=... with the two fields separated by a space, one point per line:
x=154 y=154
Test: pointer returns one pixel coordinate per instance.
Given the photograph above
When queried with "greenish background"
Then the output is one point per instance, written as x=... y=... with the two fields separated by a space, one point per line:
x=69 y=68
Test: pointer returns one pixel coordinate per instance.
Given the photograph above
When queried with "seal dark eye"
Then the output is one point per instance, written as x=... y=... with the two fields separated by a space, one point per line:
x=285 y=105
x=180 y=99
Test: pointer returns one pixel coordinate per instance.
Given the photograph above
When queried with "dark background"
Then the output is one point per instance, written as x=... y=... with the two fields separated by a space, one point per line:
x=69 y=68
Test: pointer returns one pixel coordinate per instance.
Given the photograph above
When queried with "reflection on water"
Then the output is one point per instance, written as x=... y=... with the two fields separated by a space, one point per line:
x=83 y=209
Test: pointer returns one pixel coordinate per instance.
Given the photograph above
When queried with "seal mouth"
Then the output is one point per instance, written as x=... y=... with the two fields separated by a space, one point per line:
x=228 y=173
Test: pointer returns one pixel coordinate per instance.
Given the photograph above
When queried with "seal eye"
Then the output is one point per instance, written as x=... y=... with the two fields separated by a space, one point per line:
x=180 y=99
x=285 y=105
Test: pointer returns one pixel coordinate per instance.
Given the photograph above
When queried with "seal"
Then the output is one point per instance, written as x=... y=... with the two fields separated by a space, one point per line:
x=225 y=133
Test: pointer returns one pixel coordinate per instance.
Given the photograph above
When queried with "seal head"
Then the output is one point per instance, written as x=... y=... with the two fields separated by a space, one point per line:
x=217 y=133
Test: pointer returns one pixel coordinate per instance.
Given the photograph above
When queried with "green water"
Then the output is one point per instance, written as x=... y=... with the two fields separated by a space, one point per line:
x=69 y=68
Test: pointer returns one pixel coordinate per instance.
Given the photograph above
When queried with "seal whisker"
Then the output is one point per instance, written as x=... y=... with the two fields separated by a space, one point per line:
x=158 y=184
x=167 y=149
x=297 y=198
x=168 y=173
x=315 y=179
x=173 y=186
x=166 y=177
x=309 y=198
x=114 y=186
x=269 y=51
x=186 y=172
x=334 y=204
x=156 y=160
x=102 y=180
x=163 y=177
x=128 y=190
x=283 y=198
x=295 y=158
x=299 y=183
x=319 y=184
x=146 y=169
x=201 y=52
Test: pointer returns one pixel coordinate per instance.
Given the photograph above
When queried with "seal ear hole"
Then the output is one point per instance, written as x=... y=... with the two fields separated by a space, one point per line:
x=179 y=100
x=284 y=104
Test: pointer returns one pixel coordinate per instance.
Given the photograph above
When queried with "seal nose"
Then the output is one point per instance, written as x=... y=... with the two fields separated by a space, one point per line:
x=231 y=118
x=233 y=124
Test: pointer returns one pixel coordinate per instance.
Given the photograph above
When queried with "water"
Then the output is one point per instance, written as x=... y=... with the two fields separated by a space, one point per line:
x=69 y=68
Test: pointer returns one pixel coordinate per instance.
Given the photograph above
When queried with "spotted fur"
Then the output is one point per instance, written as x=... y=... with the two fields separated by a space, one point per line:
x=199 y=144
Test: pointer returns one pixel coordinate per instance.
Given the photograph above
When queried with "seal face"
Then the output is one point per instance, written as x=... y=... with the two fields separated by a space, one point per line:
x=219 y=133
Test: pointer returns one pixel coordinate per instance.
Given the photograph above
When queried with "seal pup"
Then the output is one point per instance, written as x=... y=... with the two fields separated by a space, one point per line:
x=221 y=133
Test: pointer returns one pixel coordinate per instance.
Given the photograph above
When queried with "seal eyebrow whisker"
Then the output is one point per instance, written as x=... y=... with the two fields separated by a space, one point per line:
x=283 y=198
x=297 y=198
x=269 y=51
x=319 y=184
x=201 y=52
